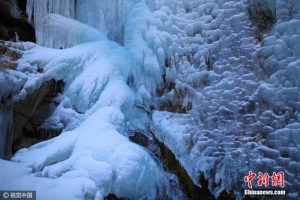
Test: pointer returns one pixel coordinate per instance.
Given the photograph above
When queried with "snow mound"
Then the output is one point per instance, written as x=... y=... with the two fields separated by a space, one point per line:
x=95 y=152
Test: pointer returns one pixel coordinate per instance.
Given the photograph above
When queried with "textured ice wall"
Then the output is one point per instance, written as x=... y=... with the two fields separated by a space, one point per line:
x=244 y=89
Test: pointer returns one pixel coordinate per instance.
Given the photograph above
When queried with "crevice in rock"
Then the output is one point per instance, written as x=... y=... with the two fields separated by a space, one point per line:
x=169 y=162
x=29 y=115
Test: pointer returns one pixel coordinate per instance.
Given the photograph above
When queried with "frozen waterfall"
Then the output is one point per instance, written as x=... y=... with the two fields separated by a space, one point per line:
x=215 y=81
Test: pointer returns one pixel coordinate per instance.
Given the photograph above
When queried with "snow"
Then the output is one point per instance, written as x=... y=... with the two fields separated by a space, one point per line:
x=44 y=186
x=95 y=151
x=91 y=71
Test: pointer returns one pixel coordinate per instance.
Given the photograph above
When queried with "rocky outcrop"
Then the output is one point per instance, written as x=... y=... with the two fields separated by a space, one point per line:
x=13 y=21
x=9 y=87
x=29 y=115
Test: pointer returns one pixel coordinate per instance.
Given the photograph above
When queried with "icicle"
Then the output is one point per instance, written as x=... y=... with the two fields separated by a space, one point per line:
x=17 y=38
x=74 y=32
x=29 y=10
x=107 y=16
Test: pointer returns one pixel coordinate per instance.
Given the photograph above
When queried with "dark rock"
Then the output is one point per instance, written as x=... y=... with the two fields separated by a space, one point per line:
x=113 y=197
x=29 y=116
x=3 y=31
x=9 y=25
x=22 y=6
x=139 y=138
x=24 y=30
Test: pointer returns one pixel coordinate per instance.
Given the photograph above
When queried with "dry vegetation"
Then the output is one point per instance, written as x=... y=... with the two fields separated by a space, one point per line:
x=263 y=18
x=8 y=56
x=177 y=105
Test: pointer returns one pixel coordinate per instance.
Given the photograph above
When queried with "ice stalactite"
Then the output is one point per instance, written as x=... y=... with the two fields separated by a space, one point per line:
x=36 y=10
x=108 y=17
x=61 y=32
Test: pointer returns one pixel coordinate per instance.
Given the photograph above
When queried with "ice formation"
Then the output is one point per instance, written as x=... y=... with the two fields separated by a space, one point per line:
x=240 y=74
x=231 y=67
x=61 y=32
x=108 y=17
x=93 y=157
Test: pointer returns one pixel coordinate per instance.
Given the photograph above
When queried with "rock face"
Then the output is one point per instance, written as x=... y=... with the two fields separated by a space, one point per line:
x=12 y=22
x=5 y=125
x=29 y=116
x=9 y=87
